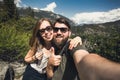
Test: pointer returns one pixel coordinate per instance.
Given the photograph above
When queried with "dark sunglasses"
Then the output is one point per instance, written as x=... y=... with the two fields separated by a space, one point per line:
x=48 y=28
x=55 y=29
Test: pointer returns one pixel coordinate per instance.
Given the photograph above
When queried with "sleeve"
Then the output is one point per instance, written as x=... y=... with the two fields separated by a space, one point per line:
x=77 y=48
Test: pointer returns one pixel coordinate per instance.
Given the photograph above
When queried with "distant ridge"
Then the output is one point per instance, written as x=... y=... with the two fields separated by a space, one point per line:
x=41 y=14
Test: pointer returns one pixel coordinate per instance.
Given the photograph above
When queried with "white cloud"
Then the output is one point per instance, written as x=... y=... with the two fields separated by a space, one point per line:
x=50 y=7
x=17 y=2
x=36 y=9
x=97 y=17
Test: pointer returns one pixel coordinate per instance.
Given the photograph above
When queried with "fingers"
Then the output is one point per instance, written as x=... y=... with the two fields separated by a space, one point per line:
x=57 y=62
x=58 y=57
x=39 y=55
x=71 y=45
x=79 y=40
x=54 y=60
x=74 y=42
x=52 y=51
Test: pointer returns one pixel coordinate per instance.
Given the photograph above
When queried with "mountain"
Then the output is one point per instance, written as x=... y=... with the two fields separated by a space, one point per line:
x=36 y=13
x=100 y=29
x=103 y=39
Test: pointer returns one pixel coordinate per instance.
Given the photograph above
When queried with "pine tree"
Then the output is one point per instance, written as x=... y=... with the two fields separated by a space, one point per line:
x=10 y=8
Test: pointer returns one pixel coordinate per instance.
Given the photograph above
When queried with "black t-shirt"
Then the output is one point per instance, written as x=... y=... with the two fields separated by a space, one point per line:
x=66 y=70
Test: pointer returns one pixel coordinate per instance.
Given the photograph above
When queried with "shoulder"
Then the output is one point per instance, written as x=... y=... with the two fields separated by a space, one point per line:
x=77 y=49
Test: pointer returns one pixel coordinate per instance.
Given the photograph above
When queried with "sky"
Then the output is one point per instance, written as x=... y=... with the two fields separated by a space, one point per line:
x=80 y=11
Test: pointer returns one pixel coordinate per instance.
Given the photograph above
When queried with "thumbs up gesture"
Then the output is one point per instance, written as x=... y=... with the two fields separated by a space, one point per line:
x=54 y=60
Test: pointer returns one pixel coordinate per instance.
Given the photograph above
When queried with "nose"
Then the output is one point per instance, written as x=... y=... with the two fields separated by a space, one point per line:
x=46 y=31
x=59 y=31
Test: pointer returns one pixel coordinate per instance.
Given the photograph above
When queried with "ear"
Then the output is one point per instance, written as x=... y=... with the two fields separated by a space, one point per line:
x=69 y=33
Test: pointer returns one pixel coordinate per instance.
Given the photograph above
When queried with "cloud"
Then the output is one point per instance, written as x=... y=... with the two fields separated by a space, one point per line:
x=17 y=2
x=96 y=17
x=50 y=7
x=35 y=8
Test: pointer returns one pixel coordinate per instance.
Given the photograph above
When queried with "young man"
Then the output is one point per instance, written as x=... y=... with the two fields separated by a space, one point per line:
x=62 y=64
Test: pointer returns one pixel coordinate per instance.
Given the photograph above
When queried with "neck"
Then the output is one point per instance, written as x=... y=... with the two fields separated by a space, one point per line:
x=48 y=45
x=58 y=47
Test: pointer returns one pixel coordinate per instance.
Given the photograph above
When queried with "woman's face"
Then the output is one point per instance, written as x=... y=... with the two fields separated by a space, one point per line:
x=46 y=31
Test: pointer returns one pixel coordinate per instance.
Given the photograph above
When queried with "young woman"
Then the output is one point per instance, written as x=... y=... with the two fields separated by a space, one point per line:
x=41 y=47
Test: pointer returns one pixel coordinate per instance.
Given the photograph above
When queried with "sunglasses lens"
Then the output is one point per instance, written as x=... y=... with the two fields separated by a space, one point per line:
x=64 y=30
x=48 y=28
x=42 y=30
x=61 y=29
x=55 y=29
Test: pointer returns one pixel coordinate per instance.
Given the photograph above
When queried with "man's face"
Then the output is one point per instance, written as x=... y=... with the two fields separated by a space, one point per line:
x=61 y=34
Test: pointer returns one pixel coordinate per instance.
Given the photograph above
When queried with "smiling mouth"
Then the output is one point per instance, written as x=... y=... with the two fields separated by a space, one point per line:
x=59 y=36
x=48 y=37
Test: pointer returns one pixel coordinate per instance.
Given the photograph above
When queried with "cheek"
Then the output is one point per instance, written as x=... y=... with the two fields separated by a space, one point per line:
x=54 y=34
x=69 y=33
x=66 y=34
x=51 y=34
x=42 y=35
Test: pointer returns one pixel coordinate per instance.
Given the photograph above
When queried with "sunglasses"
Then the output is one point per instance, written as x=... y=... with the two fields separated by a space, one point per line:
x=48 y=28
x=63 y=30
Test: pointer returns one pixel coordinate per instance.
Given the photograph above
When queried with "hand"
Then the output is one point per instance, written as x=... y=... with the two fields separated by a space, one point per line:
x=39 y=55
x=74 y=42
x=54 y=60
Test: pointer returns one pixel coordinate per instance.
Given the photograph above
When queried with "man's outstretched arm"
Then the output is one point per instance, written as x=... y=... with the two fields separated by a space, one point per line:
x=78 y=56
x=95 y=67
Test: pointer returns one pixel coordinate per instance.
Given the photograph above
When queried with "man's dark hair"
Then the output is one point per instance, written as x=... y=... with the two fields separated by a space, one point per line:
x=64 y=21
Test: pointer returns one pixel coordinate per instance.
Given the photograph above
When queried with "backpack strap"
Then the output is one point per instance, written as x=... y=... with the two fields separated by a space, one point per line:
x=64 y=48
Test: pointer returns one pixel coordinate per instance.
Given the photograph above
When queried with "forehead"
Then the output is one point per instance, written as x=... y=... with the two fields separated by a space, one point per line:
x=44 y=24
x=60 y=25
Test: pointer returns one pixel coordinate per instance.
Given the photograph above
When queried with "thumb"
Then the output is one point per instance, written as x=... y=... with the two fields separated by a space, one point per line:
x=52 y=50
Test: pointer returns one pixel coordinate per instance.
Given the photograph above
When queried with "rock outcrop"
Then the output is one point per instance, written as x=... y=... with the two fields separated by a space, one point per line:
x=11 y=70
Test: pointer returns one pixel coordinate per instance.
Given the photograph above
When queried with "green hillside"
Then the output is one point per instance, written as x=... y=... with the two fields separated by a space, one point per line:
x=103 y=39
x=14 y=38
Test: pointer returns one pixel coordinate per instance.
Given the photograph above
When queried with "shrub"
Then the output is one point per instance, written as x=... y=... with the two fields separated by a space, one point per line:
x=13 y=44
